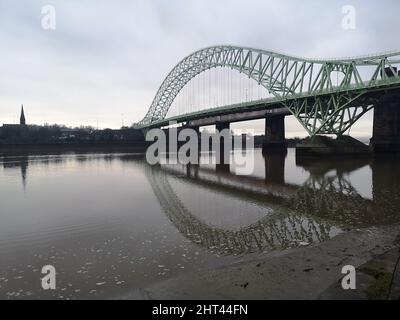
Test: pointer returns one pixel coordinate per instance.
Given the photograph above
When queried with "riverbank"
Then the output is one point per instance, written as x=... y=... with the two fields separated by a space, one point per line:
x=73 y=147
x=304 y=273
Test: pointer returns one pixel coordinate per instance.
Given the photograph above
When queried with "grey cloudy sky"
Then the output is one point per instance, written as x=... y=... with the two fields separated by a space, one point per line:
x=108 y=58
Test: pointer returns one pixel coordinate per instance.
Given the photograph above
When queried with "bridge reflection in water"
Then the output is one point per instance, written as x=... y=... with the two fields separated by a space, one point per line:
x=288 y=214
x=294 y=215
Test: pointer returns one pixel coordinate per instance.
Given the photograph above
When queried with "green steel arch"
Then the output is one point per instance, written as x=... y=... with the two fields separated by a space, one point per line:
x=305 y=86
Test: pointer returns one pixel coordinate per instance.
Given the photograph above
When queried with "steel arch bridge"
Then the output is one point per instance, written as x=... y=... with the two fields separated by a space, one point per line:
x=309 y=89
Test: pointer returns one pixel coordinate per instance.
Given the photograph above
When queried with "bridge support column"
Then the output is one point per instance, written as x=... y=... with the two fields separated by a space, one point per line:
x=386 y=132
x=274 y=133
x=224 y=150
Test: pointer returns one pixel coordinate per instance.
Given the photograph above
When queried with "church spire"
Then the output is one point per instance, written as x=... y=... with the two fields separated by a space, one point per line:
x=22 y=121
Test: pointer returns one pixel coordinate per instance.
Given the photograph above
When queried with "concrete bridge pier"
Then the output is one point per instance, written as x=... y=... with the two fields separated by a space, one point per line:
x=274 y=133
x=386 y=132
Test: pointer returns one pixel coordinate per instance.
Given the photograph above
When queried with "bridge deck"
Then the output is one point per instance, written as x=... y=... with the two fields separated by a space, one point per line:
x=266 y=107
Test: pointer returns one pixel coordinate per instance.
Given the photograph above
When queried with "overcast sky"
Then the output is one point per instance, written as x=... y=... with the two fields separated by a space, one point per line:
x=106 y=59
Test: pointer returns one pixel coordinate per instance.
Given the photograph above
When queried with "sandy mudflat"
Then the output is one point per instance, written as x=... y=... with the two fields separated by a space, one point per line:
x=303 y=273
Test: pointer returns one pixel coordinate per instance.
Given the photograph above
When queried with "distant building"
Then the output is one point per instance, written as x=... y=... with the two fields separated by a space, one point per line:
x=22 y=121
x=15 y=132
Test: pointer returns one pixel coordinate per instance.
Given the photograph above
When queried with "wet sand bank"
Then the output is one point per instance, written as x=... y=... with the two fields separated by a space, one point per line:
x=304 y=273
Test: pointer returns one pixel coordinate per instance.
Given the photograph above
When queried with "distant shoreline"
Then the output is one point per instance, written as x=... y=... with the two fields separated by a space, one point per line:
x=62 y=147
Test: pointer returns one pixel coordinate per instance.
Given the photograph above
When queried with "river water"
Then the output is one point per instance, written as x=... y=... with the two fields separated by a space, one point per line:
x=110 y=223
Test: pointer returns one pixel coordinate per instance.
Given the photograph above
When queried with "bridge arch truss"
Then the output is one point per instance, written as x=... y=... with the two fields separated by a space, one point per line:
x=309 y=88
